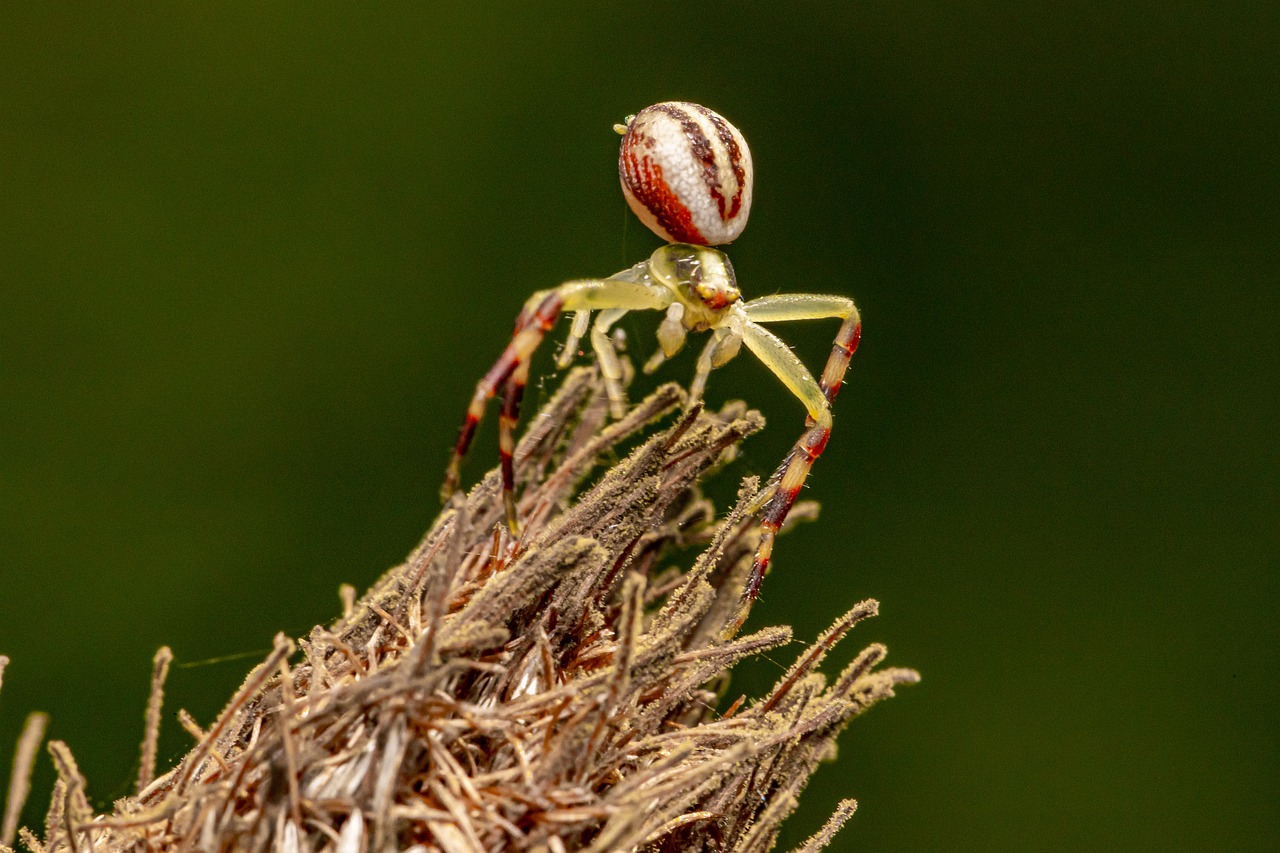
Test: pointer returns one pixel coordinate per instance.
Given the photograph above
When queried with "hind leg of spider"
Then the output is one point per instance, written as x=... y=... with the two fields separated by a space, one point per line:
x=787 y=481
x=539 y=315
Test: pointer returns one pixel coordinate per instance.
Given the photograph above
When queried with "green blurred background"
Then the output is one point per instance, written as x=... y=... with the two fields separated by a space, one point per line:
x=252 y=260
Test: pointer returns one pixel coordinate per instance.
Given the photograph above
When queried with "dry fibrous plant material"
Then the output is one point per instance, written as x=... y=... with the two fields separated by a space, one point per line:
x=553 y=694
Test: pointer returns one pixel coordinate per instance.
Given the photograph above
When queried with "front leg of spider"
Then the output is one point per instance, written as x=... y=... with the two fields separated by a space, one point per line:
x=790 y=477
x=511 y=370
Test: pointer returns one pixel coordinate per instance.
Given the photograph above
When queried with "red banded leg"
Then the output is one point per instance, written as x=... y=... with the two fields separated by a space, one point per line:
x=507 y=420
x=531 y=327
x=794 y=469
x=842 y=350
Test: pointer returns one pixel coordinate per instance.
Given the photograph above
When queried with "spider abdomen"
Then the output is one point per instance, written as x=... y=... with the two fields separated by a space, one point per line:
x=686 y=172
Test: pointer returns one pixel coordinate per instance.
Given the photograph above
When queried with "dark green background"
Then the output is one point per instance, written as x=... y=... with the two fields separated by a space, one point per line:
x=252 y=260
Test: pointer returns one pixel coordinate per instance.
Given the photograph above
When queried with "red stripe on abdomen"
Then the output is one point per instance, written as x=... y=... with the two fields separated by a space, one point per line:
x=646 y=182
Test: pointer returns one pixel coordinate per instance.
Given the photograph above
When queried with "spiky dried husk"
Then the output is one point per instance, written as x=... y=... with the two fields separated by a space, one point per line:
x=557 y=694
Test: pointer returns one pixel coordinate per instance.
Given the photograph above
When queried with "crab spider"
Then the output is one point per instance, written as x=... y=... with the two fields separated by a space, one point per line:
x=687 y=174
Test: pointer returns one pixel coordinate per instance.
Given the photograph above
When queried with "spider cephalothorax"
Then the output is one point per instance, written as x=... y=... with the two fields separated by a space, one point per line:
x=701 y=278
x=687 y=174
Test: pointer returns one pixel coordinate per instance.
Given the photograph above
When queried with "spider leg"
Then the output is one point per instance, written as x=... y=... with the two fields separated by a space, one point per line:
x=607 y=357
x=531 y=326
x=581 y=322
x=817 y=396
x=779 y=358
x=778 y=307
x=512 y=367
x=703 y=368
x=724 y=344
x=816 y=306
x=508 y=417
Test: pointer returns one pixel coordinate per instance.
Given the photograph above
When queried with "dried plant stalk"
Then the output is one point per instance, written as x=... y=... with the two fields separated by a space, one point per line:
x=551 y=695
x=24 y=759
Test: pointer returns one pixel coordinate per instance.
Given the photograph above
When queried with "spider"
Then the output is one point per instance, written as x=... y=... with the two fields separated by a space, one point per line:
x=686 y=172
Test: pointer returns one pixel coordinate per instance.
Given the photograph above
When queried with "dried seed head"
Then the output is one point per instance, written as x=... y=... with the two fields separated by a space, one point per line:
x=686 y=172
x=558 y=694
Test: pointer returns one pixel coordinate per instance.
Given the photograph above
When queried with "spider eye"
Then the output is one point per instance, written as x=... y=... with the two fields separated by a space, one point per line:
x=686 y=172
